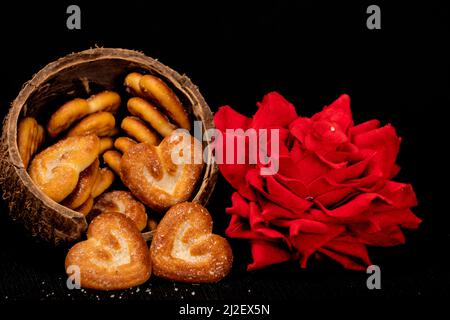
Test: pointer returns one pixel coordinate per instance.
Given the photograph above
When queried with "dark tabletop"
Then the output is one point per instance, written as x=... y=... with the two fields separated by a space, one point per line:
x=310 y=52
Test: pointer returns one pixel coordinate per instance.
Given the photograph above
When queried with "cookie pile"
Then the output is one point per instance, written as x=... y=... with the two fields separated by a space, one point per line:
x=153 y=162
x=83 y=131
x=115 y=256
x=68 y=171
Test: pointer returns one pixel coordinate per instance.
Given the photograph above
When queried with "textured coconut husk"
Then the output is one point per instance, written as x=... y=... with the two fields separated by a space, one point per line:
x=75 y=75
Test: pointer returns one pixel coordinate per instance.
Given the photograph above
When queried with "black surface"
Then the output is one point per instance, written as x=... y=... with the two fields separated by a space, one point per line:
x=309 y=51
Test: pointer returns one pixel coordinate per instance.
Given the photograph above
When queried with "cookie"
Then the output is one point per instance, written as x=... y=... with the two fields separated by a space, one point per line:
x=30 y=136
x=105 y=178
x=164 y=175
x=76 y=109
x=123 y=202
x=112 y=158
x=56 y=169
x=185 y=249
x=124 y=143
x=136 y=129
x=99 y=123
x=114 y=256
x=84 y=186
x=157 y=90
x=149 y=113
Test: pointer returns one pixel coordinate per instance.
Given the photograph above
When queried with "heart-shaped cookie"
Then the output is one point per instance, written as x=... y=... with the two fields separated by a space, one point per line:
x=115 y=256
x=164 y=175
x=184 y=249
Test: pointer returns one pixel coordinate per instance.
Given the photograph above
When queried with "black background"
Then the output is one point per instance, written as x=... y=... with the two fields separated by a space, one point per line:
x=309 y=51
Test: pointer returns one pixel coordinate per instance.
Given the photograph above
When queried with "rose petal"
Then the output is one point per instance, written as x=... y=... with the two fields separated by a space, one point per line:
x=240 y=206
x=295 y=185
x=228 y=118
x=400 y=195
x=306 y=169
x=272 y=211
x=355 y=171
x=250 y=224
x=354 y=207
x=334 y=195
x=265 y=253
x=386 y=144
x=277 y=193
x=274 y=110
x=307 y=242
x=255 y=218
x=239 y=228
x=235 y=175
x=364 y=127
x=301 y=128
x=338 y=112
x=350 y=253
x=386 y=219
x=387 y=237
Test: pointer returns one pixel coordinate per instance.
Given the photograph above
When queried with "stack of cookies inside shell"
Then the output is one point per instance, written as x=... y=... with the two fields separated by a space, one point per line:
x=129 y=168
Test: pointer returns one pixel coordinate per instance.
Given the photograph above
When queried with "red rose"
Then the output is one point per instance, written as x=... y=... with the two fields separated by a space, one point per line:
x=333 y=194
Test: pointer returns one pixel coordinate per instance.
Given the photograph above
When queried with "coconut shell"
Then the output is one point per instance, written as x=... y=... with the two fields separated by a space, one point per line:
x=79 y=75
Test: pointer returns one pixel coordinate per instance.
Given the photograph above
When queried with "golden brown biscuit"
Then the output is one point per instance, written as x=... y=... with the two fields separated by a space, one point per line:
x=99 y=123
x=137 y=129
x=104 y=101
x=123 y=202
x=84 y=186
x=132 y=84
x=184 y=249
x=106 y=143
x=77 y=108
x=30 y=136
x=157 y=90
x=105 y=178
x=112 y=158
x=154 y=178
x=56 y=169
x=150 y=114
x=114 y=257
x=124 y=143
x=86 y=207
x=67 y=114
